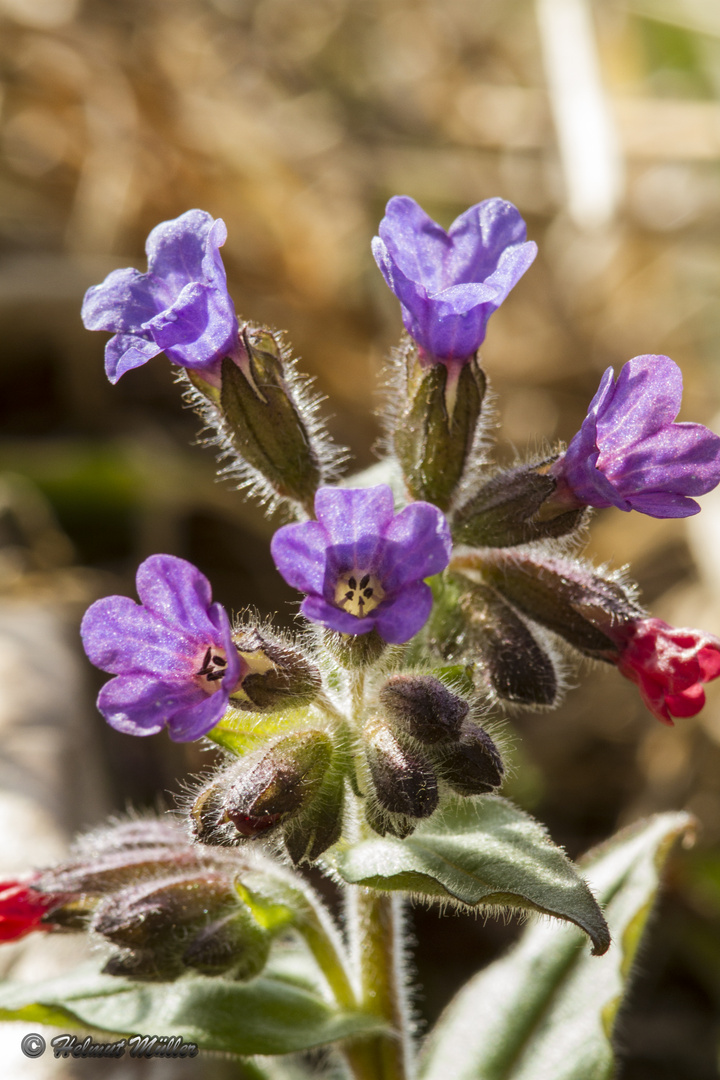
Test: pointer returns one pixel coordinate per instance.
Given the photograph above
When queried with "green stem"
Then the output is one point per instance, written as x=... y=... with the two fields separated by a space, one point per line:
x=323 y=942
x=376 y=932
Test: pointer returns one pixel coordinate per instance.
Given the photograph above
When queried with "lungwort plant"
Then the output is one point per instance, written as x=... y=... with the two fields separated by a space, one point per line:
x=362 y=744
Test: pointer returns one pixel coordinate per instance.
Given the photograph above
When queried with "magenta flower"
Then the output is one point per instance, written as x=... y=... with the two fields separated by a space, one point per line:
x=629 y=453
x=449 y=283
x=180 y=307
x=173 y=655
x=669 y=665
x=361 y=565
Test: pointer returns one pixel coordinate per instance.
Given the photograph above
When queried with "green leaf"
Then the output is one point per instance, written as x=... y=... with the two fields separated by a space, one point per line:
x=548 y=1009
x=283 y=1011
x=482 y=851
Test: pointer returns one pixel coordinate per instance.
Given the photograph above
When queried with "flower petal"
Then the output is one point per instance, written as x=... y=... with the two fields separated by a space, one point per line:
x=479 y=238
x=645 y=398
x=144 y=705
x=176 y=592
x=127 y=351
x=403 y=617
x=349 y=515
x=176 y=249
x=300 y=554
x=417 y=545
x=121 y=637
x=319 y=610
x=417 y=246
x=122 y=303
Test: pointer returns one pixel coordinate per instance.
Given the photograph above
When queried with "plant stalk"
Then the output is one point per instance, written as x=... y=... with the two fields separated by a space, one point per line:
x=375 y=925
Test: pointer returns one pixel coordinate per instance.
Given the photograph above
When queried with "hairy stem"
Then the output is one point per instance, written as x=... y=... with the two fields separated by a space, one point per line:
x=375 y=926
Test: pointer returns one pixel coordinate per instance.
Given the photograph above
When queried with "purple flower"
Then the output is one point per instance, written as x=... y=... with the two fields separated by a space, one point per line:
x=449 y=283
x=180 y=307
x=173 y=656
x=629 y=453
x=361 y=565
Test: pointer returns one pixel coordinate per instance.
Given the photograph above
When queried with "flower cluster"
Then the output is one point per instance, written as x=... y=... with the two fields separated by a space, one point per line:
x=453 y=563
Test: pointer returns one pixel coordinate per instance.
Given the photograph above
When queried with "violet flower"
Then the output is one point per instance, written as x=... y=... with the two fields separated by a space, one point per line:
x=629 y=453
x=180 y=307
x=173 y=655
x=362 y=566
x=449 y=283
x=669 y=665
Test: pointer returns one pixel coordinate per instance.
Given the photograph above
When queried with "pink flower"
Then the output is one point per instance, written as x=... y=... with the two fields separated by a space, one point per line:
x=668 y=664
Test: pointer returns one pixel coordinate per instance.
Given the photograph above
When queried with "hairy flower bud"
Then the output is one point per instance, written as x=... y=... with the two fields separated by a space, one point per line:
x=564 y=596
x=472 y=765
x=435 y=432
x=421 y=706
x=517 y=667
x=404 y=780
x=510 y=509
x=262 y=791
x=264 y=422
x=318 y=827
x=278 y=675
x=234 y=943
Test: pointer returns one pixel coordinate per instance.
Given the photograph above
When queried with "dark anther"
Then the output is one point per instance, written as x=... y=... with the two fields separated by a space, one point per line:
x=349 y=595
x=213 y=676
x=219 y=661
x=206 y=662
x=367 y=592
x=352 y=583
x=364 y=582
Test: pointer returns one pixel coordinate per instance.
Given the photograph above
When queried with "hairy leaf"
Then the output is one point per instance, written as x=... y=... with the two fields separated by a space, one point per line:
x=547 y=1011
x=283 y=1011
x=484 y=851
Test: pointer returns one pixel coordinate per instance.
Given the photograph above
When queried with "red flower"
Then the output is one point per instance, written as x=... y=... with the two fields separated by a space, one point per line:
x=22 y=908
x=668 y=664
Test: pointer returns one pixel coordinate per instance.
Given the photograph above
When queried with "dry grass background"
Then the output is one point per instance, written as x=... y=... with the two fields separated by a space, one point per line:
x=295 y=122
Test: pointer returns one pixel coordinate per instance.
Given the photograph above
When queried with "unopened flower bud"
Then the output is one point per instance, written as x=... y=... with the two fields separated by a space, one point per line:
x=383 y=823
x=234 y=943
x=516 y=665
x=318 y=826
x=510 y=509
x=564 y=596
x=421 y=706
x=286 y=778
x=435 y=432
x=145 y=965
x=264 y=421
x=278 y=675
x=404 y=780
x=472 y=765
x=142 y=915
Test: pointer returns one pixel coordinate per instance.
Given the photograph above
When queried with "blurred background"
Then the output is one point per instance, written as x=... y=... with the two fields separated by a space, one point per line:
x=295 y=123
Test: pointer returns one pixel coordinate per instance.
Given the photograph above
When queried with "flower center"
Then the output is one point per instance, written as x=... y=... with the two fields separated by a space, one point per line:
x=212 y=670
x=358 y=593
